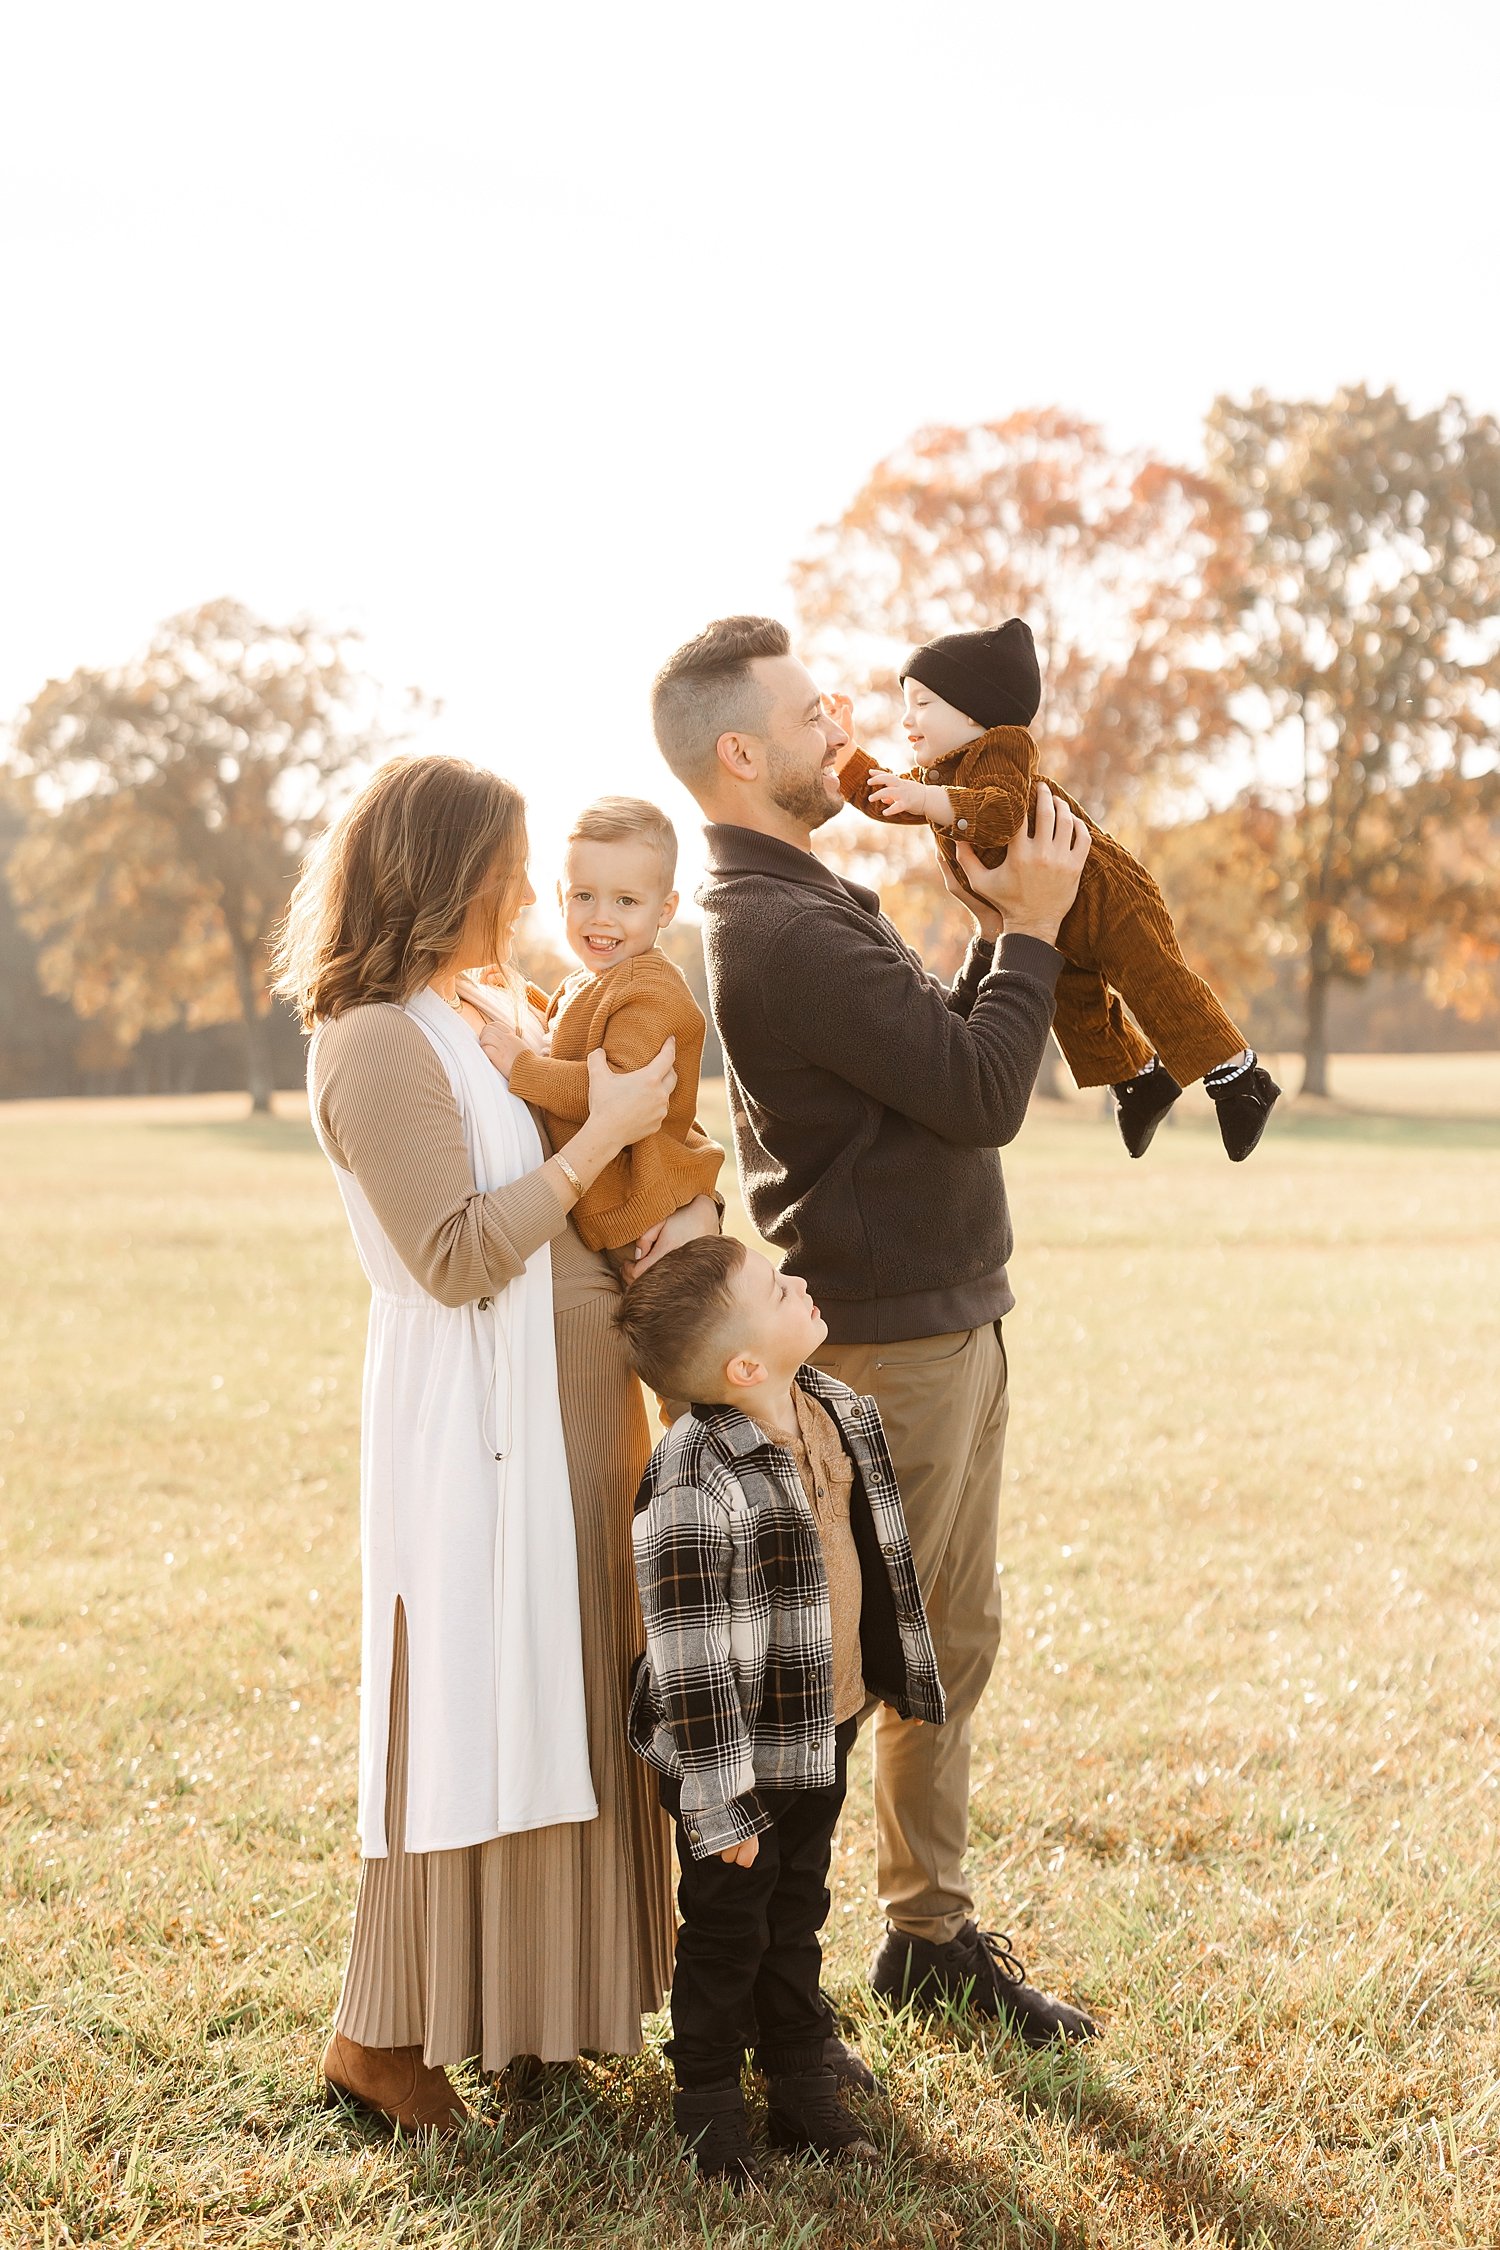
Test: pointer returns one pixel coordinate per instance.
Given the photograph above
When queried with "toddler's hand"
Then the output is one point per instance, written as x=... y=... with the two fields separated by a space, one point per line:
x=743 y=1855
x=644 y=1247
x=685 y=1224
x=896 y=795
x=501 y=1044
x=841 y=711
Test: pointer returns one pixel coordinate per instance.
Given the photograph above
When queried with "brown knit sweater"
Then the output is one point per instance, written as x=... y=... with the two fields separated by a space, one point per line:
x=627 y=1010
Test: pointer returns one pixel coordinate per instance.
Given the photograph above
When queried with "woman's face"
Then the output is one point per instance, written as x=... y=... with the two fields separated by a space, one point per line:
x=493 y=914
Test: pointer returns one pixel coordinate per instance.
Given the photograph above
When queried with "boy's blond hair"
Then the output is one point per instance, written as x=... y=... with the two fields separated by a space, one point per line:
x=618 y=820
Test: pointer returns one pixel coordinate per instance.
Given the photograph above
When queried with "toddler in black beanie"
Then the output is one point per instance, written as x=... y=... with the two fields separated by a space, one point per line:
x=970 y=701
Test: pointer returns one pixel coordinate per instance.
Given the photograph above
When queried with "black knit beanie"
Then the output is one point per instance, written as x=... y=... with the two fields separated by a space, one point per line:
x=993 y=678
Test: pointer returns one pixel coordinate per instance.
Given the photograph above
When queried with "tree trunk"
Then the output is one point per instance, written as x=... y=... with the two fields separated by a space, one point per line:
x=258 y=1078
x=258 y=1074
x=1315 y=1045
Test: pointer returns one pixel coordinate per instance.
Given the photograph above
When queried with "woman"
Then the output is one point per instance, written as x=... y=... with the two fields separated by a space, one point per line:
x=514 y=1896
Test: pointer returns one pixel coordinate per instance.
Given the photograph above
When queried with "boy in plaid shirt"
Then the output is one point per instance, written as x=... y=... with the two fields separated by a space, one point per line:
x=779 y=1598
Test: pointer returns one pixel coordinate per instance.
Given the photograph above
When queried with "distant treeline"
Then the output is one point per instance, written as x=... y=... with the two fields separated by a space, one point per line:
x=46 y=1049
x=1302 y=631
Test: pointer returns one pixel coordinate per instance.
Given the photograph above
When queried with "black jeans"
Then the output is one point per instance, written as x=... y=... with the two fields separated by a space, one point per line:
x=748 y=1956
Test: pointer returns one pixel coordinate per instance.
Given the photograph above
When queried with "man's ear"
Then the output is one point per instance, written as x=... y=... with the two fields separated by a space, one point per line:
x=668 y=909
x=743 y=1372
x=736 y=754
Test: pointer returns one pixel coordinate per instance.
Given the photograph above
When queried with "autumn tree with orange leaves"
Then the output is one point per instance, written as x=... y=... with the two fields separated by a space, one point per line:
x=1121 y=563
x=174 y=795
x=1370 y=607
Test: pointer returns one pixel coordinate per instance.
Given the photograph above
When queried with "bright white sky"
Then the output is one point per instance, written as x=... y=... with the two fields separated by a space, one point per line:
x=530 y=338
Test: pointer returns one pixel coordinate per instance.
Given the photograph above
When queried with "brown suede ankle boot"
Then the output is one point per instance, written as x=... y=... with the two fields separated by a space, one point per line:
x=395 y=2083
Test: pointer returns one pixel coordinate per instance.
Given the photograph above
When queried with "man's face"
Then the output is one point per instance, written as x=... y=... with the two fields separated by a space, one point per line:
x=933 y=727
x=802 y=741
x=775 y=1324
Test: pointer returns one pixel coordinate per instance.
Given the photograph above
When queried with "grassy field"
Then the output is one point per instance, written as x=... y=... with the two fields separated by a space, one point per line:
x=1239 y=1777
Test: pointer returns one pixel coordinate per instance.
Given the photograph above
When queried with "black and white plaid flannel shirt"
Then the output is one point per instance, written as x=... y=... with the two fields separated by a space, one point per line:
x=735 y=1691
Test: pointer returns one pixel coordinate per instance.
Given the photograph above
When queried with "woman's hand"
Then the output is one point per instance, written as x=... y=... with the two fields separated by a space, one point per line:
x=685 y=1224
x=631 y=1105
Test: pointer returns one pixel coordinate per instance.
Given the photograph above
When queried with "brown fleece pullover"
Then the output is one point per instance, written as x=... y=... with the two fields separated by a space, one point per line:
x=628 y=1010
x=868 y=1099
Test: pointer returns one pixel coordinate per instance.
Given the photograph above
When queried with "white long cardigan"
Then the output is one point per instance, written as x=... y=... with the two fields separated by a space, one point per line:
x=466 y=1517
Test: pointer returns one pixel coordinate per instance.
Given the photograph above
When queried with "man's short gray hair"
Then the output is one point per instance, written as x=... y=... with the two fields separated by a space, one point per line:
x=706 y=690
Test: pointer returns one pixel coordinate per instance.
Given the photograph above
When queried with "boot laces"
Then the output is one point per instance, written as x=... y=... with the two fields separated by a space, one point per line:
x=999 y=1955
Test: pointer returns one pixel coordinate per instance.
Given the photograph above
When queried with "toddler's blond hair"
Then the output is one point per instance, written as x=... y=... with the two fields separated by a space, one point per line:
x=619 y=820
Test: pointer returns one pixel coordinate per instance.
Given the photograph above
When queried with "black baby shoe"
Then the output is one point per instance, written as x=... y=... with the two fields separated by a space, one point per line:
x=1141 y=1103
x=1243 y=1105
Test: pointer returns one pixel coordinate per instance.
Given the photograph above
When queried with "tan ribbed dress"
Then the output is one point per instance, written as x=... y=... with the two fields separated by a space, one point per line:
x=555 y=1942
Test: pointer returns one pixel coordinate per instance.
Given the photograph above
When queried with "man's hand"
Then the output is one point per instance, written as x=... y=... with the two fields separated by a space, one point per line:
x=743 y=1855
x=1037 y=881
x=701 y=1216
x=501 y=1044
x=988 y=917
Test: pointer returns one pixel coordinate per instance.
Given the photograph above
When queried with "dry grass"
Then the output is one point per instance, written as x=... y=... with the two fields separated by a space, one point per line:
x=1238 y=1786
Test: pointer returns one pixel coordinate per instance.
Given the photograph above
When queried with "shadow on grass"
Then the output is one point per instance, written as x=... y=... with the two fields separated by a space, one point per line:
x=592 y=2155
x=1197 y=2193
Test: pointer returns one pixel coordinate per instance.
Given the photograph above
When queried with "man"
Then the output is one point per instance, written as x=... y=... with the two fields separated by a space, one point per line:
x=868 y=1104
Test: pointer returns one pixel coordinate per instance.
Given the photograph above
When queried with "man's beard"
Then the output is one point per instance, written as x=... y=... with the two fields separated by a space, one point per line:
x=796 y=791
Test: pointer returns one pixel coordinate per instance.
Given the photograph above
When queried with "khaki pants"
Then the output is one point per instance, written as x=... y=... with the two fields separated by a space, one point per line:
x=944 y=1403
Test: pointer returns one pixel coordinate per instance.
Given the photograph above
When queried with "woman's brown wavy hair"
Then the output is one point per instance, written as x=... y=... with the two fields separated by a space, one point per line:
x=383 y=897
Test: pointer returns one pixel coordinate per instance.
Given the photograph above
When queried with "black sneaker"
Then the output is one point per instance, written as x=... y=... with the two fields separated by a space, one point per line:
x=976 y=1970
x=716 y=2133
x=849 y=2066
x=1140 y=1105
x=1243 y=1108
x=804 y=2114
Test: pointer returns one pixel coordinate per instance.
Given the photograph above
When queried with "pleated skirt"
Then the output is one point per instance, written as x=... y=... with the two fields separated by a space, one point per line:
x=556 y=1942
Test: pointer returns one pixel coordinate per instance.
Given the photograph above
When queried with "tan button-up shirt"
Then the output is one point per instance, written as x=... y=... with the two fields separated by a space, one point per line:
x=827 y=1475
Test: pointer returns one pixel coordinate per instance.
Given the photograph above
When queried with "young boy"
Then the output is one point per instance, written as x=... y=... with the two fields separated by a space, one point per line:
x=616 y=898
x=970 y=701
x=779 y=1597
